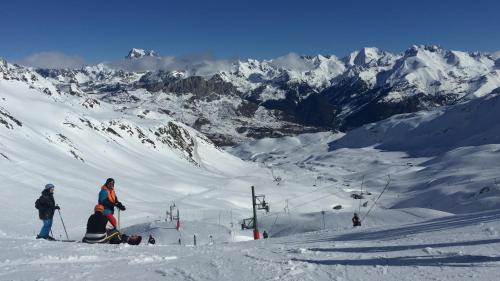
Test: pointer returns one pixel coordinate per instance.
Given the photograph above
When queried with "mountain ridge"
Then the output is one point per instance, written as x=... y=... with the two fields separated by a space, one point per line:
x=284 y=96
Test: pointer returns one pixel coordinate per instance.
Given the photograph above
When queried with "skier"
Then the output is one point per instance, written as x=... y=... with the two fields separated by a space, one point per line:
x=98 y=233
x=355 y=220
x=46 y=206
x=265 y=235
x=108 y=199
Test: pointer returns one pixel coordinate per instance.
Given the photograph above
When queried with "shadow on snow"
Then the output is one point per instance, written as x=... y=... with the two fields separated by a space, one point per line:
x=405 y=247
x=439 y=224
x=452 y=261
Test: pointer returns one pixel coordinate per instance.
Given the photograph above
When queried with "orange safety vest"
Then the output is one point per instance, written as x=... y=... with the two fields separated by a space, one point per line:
x=111 y=194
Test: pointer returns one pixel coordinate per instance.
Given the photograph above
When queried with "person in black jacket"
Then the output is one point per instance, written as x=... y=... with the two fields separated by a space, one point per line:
x=96 y=228
x=98 y=233
x=46 y=206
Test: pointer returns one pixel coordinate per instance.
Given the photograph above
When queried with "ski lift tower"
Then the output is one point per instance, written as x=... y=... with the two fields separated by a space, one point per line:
x=258 y=203
x=170 y=212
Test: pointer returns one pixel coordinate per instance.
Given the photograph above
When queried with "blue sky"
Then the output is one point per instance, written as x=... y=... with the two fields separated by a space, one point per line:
x=105 y=30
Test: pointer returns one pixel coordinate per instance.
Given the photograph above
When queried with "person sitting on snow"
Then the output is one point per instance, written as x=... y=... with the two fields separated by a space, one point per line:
x=98 y=233
x=356 y=221
x=96 y=229
x=108 y=199
x=46 y=206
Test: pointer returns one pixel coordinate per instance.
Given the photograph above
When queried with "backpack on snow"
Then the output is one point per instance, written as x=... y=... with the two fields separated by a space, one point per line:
x=38 y=204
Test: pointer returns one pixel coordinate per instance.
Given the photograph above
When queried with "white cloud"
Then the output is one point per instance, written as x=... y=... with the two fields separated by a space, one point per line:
x=53 y=60
x=194 y=64
x=496 y=55
x=292 y=61
x=197 y=64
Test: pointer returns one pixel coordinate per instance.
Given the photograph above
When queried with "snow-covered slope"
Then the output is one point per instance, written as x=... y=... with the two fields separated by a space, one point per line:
x=445 y=159
x=83 y=131
x=416 y=180
x=76 y=143
x=463 y=247
x=429 y=133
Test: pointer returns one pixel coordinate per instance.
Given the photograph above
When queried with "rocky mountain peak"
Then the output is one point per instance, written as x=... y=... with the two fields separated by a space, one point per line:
x=135 y=53
x=416 y=49
x=364 y=56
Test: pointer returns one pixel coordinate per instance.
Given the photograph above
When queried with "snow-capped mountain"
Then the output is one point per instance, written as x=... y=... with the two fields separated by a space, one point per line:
x=135 y=53
x=251 y=99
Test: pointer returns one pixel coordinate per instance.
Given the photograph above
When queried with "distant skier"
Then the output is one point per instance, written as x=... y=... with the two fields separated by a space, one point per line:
x=108 y=200
x=355 y=220
x=265 y=235
x=46 y=206
x=98 y=233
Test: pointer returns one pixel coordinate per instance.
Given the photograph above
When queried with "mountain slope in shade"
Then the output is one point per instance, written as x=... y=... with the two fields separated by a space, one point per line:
x=445 y=159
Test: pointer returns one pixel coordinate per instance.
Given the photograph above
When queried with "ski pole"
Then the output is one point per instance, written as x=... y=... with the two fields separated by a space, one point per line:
x=118 y=224
x=62 y=221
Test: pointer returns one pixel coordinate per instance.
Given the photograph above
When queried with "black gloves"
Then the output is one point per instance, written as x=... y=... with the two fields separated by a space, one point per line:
x=120 y=206
x=57 y=207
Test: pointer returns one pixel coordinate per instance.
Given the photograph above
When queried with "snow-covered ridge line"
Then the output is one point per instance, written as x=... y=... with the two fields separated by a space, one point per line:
x=283 y=96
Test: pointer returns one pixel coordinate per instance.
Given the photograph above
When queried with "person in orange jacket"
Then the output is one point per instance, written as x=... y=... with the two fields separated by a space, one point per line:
x=108 y=199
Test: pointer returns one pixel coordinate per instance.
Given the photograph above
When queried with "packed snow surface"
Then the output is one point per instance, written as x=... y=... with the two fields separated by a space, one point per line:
x=461 y=247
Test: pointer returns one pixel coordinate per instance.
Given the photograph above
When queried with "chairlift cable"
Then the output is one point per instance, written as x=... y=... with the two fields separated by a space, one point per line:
x=380 y=195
